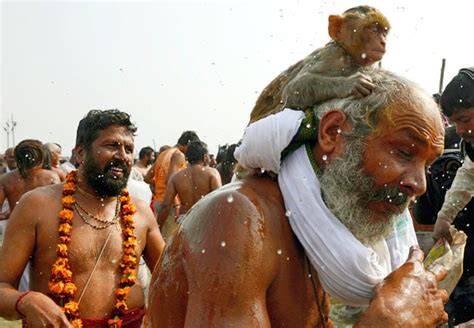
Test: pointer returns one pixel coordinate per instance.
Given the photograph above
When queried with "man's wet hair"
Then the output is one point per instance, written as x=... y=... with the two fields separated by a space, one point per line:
x=29 y=153
x=97 y=120
x=145 y=151
x=187 y=137
x=196 y=151
x=459 y=93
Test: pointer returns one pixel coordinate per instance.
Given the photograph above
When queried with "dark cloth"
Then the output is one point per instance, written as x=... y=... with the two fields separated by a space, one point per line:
x=131 y=319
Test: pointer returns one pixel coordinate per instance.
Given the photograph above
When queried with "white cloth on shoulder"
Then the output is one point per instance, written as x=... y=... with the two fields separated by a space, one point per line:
x=347 y=269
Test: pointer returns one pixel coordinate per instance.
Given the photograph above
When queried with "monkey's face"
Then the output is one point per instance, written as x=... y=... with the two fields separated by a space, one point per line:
x=370 y=44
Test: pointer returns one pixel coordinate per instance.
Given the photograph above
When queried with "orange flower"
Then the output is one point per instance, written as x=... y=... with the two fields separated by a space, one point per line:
x=61 y=250
x=127 y=271
x=128 y=232
x=129 y=208
x=56 y=287
x=70 y=289
x=129 y=259
x=121 y=293
x=121 y=305
x=127 y=219
x=69 y=186
x=77 y=323
x=68 y=201
x=65 y=228
x=71 y=307
x=130 y=242
x=66 y=215
x=116 y=322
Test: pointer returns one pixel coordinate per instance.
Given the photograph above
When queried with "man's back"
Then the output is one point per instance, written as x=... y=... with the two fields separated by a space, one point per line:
x=15 y=186
x=193 y=183
x=241 y=262
x=162 y=166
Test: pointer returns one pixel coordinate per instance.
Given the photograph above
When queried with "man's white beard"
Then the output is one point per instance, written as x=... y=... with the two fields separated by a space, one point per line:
x=347 y=192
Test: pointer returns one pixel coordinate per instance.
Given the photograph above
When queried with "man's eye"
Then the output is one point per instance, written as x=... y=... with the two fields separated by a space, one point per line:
x=405 y=153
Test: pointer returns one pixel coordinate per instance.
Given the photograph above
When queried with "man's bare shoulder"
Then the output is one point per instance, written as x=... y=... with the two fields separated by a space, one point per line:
x=242 y=203
x=10 y=177
x=43 y=194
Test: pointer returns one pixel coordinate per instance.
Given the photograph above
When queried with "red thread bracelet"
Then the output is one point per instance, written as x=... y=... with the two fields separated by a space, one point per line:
x=18 y=300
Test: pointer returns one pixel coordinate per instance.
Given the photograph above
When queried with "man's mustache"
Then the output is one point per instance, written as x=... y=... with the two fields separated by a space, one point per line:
x=392 y=194
x=118 y=164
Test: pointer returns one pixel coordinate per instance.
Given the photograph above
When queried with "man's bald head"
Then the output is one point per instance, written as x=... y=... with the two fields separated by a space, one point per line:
x=10 y=158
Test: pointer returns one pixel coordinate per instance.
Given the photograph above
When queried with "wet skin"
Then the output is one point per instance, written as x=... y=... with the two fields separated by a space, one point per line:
x=33 y=231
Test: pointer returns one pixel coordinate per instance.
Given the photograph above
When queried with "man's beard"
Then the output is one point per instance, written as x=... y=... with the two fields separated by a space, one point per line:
x=106 y=185
x=348 y=191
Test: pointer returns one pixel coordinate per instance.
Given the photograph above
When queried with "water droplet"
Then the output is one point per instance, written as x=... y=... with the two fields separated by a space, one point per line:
x=230 y=199
x=339 y=131
x=287 y=258
x=262 y=170
x=354 y=30
x=308 y=125
x=364 y=55
x=203 y=251
x=279 y=252
x=222 y=243
x=288 y=213
x=325 y=157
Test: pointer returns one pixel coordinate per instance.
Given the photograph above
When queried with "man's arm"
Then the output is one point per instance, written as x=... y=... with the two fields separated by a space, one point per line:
x=177 y=162
x=457 y=197
x=3 y=215
x=216 y=180
x=154 y=241
x=18 y=246
x=168 y=200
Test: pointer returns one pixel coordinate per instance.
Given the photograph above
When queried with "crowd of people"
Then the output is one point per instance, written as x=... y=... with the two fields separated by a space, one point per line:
x=314 y=205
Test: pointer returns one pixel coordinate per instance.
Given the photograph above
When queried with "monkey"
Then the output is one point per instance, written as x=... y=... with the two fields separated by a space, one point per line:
x=333 y=71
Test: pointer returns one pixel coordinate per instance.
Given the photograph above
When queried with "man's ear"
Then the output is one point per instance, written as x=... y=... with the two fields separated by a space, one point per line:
x=331 y=127
x=80 y=154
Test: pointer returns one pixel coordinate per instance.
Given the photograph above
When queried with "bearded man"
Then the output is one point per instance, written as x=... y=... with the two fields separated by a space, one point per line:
x=84 y=238
x=263 y=253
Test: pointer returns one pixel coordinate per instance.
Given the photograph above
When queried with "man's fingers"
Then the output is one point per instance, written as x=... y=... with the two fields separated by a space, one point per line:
x=439 y=272
x=415 y=254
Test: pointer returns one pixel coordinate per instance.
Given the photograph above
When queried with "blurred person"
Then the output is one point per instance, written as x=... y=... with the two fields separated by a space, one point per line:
x=146 y=157
x=70 y=164
x=56 y=150
x=192 y=183
x=9 y=158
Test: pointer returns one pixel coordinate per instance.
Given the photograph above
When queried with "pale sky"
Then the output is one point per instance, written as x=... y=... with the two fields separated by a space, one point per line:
x=190 y=65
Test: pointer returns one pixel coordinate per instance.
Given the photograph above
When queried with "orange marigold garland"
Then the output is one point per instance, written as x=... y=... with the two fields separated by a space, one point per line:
x=61 y=286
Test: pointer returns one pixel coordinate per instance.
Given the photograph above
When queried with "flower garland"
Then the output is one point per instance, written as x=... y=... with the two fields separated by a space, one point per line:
x=60 y=284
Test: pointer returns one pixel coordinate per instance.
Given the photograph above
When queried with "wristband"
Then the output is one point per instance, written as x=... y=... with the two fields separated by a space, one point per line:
x=18 y=301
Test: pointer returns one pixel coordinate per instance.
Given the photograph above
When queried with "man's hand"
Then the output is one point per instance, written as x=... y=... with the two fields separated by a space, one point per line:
x=41 y=311
x=443 y=229
x=408 y=297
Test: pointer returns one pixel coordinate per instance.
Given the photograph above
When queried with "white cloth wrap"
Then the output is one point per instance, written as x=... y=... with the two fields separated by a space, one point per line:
x=347 y=269
x=264 y=140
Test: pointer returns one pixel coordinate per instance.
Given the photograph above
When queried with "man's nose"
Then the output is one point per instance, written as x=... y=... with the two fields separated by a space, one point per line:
x=414 y=182
x=121 y=153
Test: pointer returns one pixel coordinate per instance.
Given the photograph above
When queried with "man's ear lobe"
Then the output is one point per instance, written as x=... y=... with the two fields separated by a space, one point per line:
x=331 y=127
x=80 y=153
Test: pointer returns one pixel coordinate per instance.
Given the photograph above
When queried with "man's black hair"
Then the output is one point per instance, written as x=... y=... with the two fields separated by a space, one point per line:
x=187 y=137
x=97 y=120
x=28 y=154
x=459 y=93
x=196 y=151
x=145 y=151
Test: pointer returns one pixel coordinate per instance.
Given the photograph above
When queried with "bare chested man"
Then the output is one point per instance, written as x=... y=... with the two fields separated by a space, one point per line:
x=84 y=238
x=146 y=157
x=238 y=259
x=29 y=175
x=191 y=183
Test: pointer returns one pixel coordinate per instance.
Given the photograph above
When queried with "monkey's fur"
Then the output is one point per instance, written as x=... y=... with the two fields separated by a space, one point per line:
x=334 y=71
